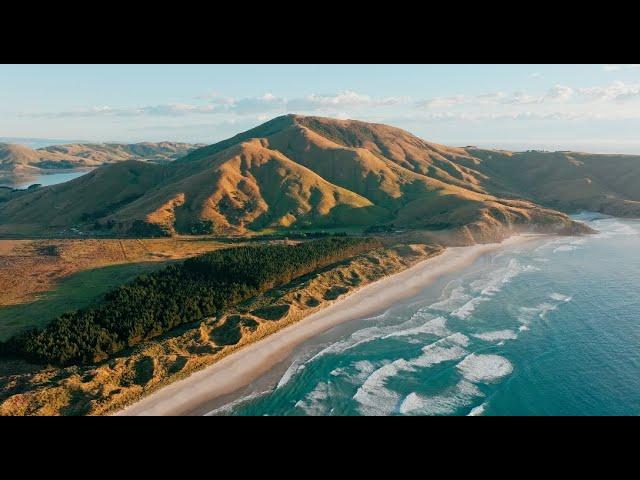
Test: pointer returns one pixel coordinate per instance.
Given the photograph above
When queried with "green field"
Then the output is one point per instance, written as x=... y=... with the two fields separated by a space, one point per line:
x=75 y=291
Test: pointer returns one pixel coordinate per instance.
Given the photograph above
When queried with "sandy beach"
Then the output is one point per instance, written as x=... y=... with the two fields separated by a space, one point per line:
x=247 y=364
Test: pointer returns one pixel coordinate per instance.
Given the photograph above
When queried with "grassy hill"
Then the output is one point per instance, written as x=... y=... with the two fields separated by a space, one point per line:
x=567 y=180
x=22 y=159
x=312 y=172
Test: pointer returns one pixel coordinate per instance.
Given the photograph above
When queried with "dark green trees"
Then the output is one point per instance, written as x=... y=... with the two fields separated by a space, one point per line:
x=154 y=304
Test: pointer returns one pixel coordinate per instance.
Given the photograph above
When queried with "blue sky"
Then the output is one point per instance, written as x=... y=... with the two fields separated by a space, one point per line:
x=581 y=107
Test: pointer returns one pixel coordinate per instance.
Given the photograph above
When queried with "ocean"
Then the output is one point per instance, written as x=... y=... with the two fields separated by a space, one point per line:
x=549 y=327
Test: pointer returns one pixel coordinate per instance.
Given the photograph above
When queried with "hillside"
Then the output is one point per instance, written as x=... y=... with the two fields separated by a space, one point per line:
x=297 y=172
x=568 y=181
x=19 y=158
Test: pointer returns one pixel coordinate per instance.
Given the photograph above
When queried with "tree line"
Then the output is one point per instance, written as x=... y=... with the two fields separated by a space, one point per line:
x=155 y=303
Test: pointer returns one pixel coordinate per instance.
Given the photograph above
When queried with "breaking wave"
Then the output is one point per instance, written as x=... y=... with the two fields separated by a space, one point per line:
x=314 y=403
x=373 y=396
x=497 y=335
x=477 y=411
x=444 y=404
x=481 y=368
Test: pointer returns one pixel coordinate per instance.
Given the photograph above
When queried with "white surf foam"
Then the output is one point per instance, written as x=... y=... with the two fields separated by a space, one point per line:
x=477 y=411
x=421 y=322
x=468 y=308
x=294 y=368
x=364 y=367
x=497 y=335
x=314 y=403
x=560 y=297
x=229 y=407
x=455 y=299
x=527 y=314
x=610 y=228
x=622 y=229
x=490 y=285
x=499 y=278
x=565 y=248
x=447 y=403
x=356 y=372
x=437 y=327
x=373 y=396
x=434 y=354
x=545 y=308
x=484 y=368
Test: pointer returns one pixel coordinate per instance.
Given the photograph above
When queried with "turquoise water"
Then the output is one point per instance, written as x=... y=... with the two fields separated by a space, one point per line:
x=46 y=179
x=547 y=328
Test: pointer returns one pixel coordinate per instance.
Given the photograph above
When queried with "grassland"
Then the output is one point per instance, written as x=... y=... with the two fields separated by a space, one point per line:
x=76 y=291
x=40 y=279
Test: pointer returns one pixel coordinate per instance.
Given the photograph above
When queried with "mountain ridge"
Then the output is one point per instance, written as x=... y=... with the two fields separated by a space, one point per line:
x=18 y=158
x=297 y=172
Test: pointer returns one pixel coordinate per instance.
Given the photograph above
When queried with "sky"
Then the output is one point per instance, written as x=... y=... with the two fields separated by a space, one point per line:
x=593 y=108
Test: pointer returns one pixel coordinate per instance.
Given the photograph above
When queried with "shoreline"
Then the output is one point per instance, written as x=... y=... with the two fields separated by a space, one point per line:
x=22 y=180
x=246 y=365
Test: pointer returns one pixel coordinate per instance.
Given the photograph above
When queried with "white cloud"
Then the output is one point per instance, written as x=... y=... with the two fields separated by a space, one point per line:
x=167 y=110
x=170 y=110
x=558 y=93
x=443 y=102
x=522 y=98
x=614 y=67
x=267 y=104
x=491 y=97
x=558 y=102
x=616 y=91
x=344 y=99
x=525 y=115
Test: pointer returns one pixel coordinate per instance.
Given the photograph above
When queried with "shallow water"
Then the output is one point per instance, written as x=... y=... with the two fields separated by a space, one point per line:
x=44 y=179
x=551 y=327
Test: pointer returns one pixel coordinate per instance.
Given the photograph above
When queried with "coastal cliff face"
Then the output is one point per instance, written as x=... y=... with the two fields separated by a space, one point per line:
x=297 y=172
x=93 y=390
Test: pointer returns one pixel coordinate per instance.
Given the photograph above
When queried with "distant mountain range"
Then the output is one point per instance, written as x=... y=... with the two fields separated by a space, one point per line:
x=297 y=171
x=17 y=159
x=35 y=142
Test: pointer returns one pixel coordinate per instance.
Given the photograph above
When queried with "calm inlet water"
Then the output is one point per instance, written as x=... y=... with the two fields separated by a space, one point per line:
x=547 y=328
x=44 y=179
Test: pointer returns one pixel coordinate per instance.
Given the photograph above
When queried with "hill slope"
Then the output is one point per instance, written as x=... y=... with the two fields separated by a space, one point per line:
x=567 y=180
x=19 y=158
x=296 y=171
